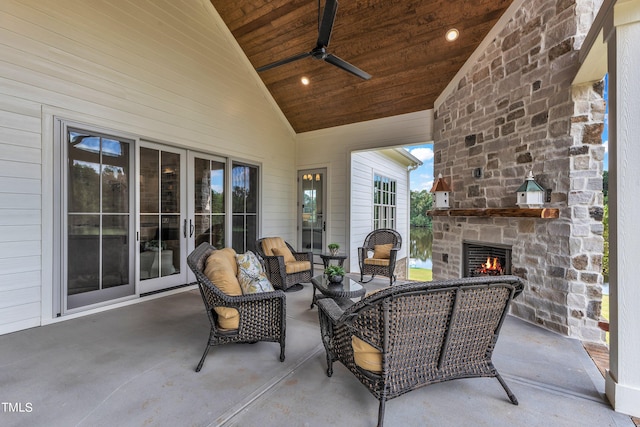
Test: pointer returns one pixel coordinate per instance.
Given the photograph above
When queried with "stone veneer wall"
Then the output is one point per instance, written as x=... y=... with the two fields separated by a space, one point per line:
x=516 y=110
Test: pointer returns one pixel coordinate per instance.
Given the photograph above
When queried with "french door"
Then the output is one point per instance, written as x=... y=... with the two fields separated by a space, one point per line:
x=207 y=202
x=311 y=217
x=162 y=238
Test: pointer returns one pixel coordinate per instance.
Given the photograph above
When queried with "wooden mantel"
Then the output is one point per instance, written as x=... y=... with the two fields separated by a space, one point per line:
x=546 y=213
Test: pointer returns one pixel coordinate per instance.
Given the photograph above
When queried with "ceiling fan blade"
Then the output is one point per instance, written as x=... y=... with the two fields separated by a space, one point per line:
x=341 y=63
x=329 y=15
x=283 y=61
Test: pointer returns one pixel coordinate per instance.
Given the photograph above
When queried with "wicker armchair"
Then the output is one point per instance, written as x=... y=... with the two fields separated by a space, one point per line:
x=282 y=274
x=262 y=316
x=421 y=333
x=371 y=265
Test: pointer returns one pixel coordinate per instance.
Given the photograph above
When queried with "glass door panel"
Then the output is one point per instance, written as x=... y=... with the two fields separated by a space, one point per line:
x=311 y=221
x=244 y=185
x=162 y=239
x=99 y=221
x=209 y=202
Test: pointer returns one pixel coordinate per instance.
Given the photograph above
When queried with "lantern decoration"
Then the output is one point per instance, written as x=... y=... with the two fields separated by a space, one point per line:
x=530 y=194
x=442 y=192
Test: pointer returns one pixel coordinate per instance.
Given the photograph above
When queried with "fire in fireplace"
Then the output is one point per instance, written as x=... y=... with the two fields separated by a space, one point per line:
x=482 y=259
x=490 y=268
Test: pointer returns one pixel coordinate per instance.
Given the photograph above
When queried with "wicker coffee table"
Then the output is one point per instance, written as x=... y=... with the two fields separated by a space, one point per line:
x=340 y=292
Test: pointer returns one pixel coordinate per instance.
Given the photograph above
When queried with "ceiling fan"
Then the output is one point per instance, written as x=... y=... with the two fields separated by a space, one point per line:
x=320 y=52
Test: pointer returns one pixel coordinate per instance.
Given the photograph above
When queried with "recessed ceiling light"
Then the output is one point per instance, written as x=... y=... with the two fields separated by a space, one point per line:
x=452 y=34
x=305 y=81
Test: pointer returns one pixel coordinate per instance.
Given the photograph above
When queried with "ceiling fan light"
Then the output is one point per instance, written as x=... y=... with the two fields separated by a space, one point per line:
x=452 y=35
x=304 y=80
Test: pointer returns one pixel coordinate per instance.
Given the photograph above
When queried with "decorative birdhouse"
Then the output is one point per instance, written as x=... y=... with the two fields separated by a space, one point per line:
x=530 y=194
x=442 y=192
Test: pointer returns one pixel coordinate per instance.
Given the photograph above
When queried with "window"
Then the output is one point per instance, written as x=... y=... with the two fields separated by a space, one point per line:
x=384 y=202
x=244 y=199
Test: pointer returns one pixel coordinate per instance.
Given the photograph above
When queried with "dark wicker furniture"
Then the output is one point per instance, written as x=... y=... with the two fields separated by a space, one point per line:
x=340 y=292
x=326 y=259
x=262 y=315
x=276 y=271
x=426 y=332
x=381 y=236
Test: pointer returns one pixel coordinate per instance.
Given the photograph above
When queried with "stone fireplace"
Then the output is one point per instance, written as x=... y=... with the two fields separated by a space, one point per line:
x=512 y=111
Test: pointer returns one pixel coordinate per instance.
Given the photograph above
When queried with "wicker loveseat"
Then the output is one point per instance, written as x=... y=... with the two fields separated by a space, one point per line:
x=285 y=267
x=259 y=317
x=409 y=336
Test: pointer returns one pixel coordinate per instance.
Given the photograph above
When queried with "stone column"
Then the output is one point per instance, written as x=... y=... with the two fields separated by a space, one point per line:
x=623 y=378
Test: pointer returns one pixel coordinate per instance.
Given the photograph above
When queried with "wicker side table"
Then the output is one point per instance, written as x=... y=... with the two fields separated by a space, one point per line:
x=326 y=259
x=341 y=292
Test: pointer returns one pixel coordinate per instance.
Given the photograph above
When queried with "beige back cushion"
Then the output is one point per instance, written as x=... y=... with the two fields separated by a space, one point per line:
x=382 y=251
x=268 y=243
x=284 y=251
x=221 y=268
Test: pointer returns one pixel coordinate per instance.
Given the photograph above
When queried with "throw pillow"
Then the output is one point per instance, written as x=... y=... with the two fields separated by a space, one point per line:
x=221 y=272
x=284 y=251
x=382 y=251
x=251 y=275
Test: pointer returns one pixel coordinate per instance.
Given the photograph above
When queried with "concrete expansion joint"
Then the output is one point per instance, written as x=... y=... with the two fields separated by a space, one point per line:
x=227 y=418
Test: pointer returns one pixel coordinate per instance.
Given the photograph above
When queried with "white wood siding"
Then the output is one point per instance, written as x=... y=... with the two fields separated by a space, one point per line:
x=364 y=166
x=332 y=148
x=165 y=70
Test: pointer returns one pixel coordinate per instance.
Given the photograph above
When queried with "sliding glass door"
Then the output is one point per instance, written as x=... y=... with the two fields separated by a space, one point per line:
x=99 y=200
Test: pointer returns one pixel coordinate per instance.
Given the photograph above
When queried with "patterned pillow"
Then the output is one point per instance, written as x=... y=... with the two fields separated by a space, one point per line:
x=251 y=276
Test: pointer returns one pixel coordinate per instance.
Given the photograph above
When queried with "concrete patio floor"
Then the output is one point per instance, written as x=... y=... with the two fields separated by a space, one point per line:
x=134 y=366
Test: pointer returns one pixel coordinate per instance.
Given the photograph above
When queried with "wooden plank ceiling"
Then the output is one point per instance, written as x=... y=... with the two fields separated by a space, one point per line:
x=401 y=43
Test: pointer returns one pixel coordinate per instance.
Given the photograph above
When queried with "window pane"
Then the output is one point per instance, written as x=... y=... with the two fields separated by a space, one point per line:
x=217 y=187
x=202 y=178
x=84 y=170
x=149 y=246
x=237 y=234
x=115 y=176
x=83 y=261
x=252 y=190
x=115 y=250
x=210 y=229
x=251 y=233
x=239 y=188
x=149 y=180
x=170 y=243
x=170 y=184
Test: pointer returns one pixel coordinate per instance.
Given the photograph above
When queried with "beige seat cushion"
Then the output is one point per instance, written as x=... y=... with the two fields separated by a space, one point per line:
x=382 y=251
x=376 y=261
x=284 y=251
x=365 y=355
x=297 y=266
x=222 y=270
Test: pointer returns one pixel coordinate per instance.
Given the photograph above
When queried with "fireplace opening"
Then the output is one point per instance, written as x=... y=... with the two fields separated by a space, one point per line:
x=482 y=259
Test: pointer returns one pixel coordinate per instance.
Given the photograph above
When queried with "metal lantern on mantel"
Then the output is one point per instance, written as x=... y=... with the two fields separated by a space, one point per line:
x=530 y=194
x=442 y=191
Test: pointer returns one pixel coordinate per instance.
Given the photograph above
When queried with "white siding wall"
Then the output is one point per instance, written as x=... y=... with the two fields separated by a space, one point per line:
x=332 y=148
x=364 y=166
x=166 y=70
